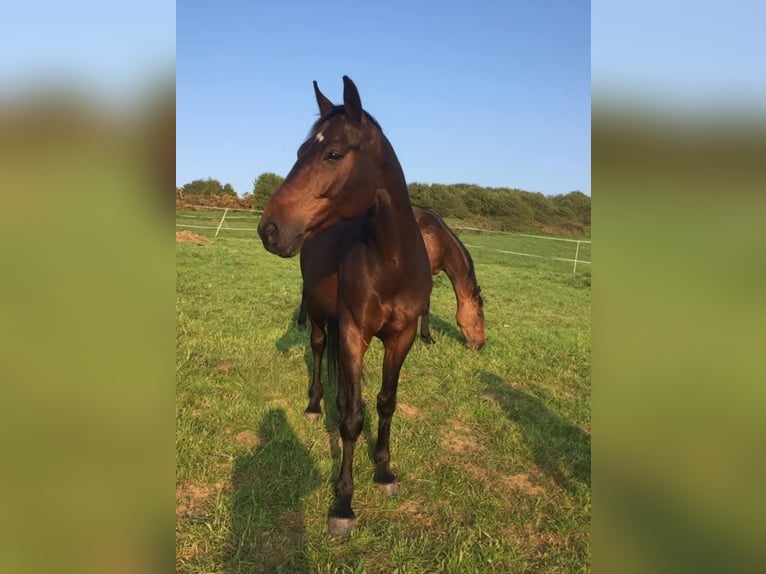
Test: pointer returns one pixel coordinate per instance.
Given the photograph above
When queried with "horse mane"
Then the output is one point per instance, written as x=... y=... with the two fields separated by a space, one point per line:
x=470 y=271
x=341 y=111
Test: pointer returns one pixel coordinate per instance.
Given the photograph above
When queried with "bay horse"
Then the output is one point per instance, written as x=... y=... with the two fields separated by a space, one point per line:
x=446 y=253
x=374 y=281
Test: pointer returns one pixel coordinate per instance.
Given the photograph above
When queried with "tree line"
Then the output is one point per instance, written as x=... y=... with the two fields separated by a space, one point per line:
x=489 y=207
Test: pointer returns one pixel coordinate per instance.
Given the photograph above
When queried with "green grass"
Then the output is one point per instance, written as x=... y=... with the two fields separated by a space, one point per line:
x=491 y=448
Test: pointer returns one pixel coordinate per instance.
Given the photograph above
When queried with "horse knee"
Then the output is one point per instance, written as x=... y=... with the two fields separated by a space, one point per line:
x=386 y=405
x=351 y=425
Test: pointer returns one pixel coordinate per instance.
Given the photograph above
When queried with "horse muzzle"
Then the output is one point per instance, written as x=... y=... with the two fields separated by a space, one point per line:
x=282 y=241
x=475 y=344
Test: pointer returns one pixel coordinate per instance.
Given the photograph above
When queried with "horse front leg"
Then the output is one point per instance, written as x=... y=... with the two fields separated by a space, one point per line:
x=425 y=325
x=318 y=342
x=352 y=348
x=396 y=349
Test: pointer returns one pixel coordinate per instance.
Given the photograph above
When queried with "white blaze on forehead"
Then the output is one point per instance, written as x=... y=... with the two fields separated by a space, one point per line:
x=320 y=137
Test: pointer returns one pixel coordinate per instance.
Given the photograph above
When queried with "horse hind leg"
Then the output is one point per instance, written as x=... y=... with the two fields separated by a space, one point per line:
x=396 y=350
x=302 y=309
x=313 y=411
x=425 y=324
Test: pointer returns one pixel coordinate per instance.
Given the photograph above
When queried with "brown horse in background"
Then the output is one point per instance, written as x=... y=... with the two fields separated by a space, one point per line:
x=446 y=253
x=372 y=279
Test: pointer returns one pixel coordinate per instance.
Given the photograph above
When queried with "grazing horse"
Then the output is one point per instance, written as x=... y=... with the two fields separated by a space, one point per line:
x=446 y=253
x=374 y=281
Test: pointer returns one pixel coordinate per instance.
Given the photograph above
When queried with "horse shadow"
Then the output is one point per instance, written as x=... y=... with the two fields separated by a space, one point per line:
x=297 y=336
x=268 y=531
x=560 y=449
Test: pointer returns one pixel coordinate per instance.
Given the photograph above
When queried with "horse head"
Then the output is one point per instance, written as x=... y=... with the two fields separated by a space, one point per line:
x=334 y=178
x=470 y=319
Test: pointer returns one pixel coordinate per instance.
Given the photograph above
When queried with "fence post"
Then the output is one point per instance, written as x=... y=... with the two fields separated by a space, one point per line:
x=577 y=250
x=224 y=217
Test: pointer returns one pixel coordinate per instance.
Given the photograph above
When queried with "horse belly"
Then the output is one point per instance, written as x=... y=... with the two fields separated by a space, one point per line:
x=323 y=296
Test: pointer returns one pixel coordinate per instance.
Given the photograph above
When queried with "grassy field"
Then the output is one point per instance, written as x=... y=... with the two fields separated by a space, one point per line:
x=491 y=448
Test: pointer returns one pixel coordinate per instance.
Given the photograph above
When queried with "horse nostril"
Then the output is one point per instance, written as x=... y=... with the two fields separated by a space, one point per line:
x=271 y=233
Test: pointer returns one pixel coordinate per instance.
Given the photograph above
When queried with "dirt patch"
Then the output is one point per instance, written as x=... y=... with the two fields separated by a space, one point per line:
x=188 y=236
x=415 y=510
x=506 y=486
x=523 y=483
x=460 y=427
x=517 y=482
x=457 y=438
x=459 y=443
x=535 y=539
x=409 y=410
x=224 y=367
x=247 y=439
x=191 y=497
x=529 y=536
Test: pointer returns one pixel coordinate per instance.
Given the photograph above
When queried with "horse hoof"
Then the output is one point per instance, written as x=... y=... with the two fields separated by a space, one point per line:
x=389 y=488
x=340 y=526
x=312 y=417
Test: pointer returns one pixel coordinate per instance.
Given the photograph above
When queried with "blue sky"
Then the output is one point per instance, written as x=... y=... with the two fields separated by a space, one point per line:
x=111 y=50
x=686 y=56
x=495 y=93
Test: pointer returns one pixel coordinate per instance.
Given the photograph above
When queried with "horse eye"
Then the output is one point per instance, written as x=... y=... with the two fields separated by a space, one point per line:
x=334 y=156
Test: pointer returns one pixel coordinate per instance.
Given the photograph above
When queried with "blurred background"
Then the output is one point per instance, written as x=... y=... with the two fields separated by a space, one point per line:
x=87 y=164
x=679 y=182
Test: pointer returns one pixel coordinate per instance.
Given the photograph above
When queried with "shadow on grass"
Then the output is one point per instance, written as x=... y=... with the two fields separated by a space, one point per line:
x=295 y=336
x=269 y=483
x=560 y=449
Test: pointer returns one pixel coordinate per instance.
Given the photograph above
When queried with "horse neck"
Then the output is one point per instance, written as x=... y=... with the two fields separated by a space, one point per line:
x=392 y=218
x=458 y=266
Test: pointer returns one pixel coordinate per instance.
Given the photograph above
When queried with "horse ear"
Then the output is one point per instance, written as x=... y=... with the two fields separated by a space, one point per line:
x=351 y=100
x=325 y=105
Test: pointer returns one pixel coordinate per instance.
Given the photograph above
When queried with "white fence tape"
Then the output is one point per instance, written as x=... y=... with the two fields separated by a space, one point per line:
x=476 y=229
